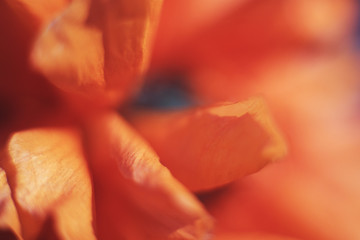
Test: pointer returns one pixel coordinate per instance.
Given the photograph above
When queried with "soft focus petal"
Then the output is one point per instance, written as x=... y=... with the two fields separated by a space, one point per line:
x=223 y=59
x=257 y=27
x=97 y=47
x=287 y=199
x=321 y=106
x=135 y=196
x=195 y=15
x=208 y=147
x=49 y=181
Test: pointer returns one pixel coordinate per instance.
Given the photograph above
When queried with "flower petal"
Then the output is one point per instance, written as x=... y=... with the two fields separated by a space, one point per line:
x=97 y=47
x=70 y=53
x=209 y=147
x=128 y=27
x=48 y=178
x=9 y=221
x=135 y=196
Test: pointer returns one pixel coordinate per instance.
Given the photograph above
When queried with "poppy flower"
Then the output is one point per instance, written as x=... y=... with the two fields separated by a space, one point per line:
x=72 y=167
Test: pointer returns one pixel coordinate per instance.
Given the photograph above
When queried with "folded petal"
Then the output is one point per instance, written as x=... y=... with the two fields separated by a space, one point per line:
x=209 y=147
x=70 y=53
x=97 y=47
x=128 y=28
x=49 y=182
x=135 y=196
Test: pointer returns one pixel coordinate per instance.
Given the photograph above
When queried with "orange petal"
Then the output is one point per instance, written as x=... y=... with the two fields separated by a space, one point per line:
x=135 y=196
x=48 y=178
x=128 y=27
x=9 y=221
x=97 y=47
x=209 y=147
x=70 y=53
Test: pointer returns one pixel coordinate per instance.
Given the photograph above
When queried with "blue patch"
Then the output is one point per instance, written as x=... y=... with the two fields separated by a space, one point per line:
x=164 y=92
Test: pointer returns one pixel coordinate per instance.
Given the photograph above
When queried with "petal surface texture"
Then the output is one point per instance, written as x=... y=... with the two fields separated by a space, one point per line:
x=209 y=147
x=136 y=197
x=9 y=221
x=50 y=183
x=99 y=48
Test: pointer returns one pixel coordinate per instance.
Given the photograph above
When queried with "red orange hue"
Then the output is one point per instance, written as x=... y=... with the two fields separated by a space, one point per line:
x=24 y=93
x=135 y=191
x=225 y=58
x=299 y=55
x=8 y=215
x=209 y=147
x=98 y=48
x=49 y=180
x=72 y=168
